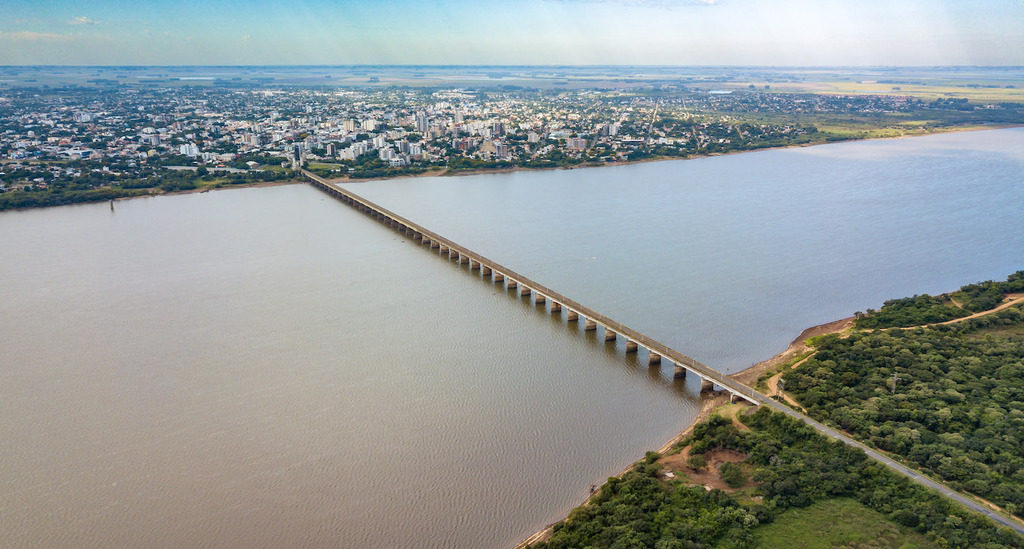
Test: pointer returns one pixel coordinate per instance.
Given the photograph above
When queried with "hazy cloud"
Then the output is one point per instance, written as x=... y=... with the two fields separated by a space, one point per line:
x=645 y=3
x=31 y=36
x=82 y=20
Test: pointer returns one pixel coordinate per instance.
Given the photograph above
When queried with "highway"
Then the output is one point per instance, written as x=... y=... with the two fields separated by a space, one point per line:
x=704 y=371
x=894 y=465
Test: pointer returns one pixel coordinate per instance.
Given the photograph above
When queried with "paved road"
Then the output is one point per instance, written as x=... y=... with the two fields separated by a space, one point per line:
x=896 y=466
x=703 y=370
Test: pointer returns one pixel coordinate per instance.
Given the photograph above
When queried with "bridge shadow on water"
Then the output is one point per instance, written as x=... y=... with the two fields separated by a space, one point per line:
x=633 y=363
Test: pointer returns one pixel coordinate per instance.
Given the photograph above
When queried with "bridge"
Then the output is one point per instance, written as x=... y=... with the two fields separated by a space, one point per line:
x=657 y=352
x=555 y=302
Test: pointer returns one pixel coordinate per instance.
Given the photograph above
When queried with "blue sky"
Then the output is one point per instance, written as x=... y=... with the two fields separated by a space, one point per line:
x=656 y=32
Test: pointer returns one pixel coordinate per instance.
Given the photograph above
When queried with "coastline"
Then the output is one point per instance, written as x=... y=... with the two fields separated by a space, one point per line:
x=750 y=375
x=444 y=173
x=797 y=346
x=709 y=405
x=209 y=189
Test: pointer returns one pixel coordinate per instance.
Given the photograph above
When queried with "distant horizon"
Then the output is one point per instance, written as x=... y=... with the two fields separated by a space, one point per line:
x=781 y=33
x=514 y=65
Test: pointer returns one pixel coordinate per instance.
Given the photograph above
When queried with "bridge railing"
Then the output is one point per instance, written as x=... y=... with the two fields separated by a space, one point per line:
x=665 y=351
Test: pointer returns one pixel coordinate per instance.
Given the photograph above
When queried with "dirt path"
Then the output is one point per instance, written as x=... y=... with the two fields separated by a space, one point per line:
x=732 y=411
x=799 y=345
x=750 y=376
x=773 y=387
x=1009 y=300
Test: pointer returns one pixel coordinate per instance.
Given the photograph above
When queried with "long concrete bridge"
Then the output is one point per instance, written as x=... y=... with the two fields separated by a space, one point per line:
x=556 y=303
x=656 y=352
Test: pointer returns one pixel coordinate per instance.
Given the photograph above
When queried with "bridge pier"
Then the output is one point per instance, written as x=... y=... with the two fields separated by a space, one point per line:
x=682 y=365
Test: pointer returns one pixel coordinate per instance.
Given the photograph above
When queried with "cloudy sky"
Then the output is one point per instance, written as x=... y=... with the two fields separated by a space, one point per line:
x=655 y=32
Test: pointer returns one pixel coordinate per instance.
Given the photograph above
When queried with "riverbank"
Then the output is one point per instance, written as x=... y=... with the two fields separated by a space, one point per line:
x=482 y=171
x=708 y=406
x=154 y=192
x=798 y=347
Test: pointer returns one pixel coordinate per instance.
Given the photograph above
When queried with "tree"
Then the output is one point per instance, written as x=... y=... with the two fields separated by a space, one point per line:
x=732 y=475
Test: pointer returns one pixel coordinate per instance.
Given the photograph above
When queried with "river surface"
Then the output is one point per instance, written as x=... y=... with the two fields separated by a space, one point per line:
x=728 y=258
x=269 y=368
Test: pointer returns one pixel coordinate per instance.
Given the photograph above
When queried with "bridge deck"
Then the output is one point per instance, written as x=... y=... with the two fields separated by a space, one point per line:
x=687 y=362
x=665 y=351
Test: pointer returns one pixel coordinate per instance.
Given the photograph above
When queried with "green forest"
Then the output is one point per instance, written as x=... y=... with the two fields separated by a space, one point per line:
x=925 y=309
x=793 y=468
x=948 y=398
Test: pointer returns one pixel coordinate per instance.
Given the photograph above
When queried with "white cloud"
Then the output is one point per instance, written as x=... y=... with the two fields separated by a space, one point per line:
x=646 y=3
x=31 y=36
x=83 y=20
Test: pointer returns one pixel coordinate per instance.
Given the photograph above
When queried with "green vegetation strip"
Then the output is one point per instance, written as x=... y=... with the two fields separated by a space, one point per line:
x=949 y=399
x=794 y=467
x=837 y=523
x=925 y=309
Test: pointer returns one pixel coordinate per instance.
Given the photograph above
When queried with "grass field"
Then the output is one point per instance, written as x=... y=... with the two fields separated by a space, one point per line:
x=323 y=166
x=836 y=523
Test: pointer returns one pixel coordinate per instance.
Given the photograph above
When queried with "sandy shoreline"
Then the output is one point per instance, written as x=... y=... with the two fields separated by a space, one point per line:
x=750 y=376
x=797 y=347
x=709 y=405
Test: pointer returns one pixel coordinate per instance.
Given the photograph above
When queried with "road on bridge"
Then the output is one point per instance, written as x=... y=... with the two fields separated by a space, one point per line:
x=703 y=370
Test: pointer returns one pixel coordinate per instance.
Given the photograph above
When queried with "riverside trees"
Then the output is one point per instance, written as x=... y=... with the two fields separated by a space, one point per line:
x=794 y=467
x=957 y=409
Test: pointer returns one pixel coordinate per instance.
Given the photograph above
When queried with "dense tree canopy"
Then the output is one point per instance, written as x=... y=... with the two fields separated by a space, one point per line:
x=925 y=309
x=956 y=409
x=795 y=466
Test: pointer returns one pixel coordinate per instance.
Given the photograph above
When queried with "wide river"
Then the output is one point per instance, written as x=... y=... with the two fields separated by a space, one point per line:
x=269 y=368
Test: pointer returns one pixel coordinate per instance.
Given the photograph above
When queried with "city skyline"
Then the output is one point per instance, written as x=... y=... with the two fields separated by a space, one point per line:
x=583 y=32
